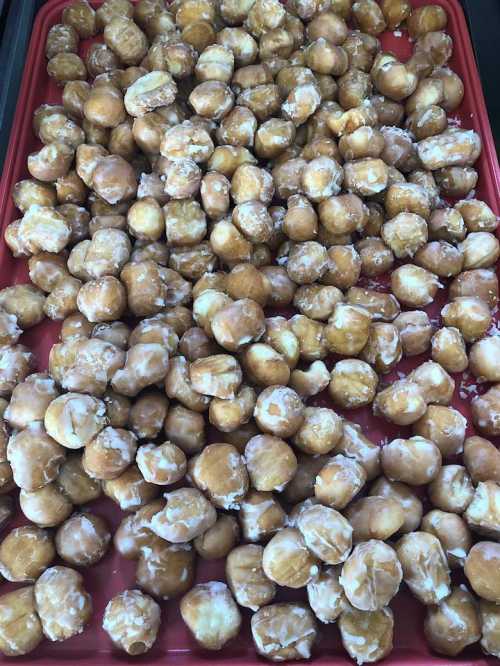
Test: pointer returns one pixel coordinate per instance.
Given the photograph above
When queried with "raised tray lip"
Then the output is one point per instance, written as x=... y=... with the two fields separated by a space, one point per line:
x=22 y=125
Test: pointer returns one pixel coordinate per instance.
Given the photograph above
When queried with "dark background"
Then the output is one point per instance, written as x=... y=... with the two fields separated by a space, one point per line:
x=16 y=19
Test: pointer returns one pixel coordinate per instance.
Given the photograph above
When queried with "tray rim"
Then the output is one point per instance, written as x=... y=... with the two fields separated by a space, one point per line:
x=21 y=126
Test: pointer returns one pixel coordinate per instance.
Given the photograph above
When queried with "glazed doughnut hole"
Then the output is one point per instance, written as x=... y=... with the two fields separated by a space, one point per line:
x=456 y=181
x=130 y=490
x=219 y=540
x=46 y=507
x=481 y=568
x=279 y=411
x=43 y=229
x=469 y=314
x=300 y=222
x=9 y=330
x=25 y=553
x=284 y=631
x=148 y=92
x=327 y=534
x=186 y=515
x=486 y=410
x=229 y=415
x=371 y=575
x=75 y=483
x=416 y=461
x=353 y=384
x=367 y=635
x=453 y=624
x=211 y=600
x=246 y=579
x=339 y=481
x=320 y=431
x=415 y=332
x=61 y=39
x=279 y=334
x=145 y=364
x=348 y=329
x=453 y=87
x=484 y=359
x=481 y=459
x=109 y=453
x=343 y=214
x=146 y=417
x=287 y=561
x=452 y=489
x=482 y=513
x=435 y=382
x=326 y=596
x=364 y=142
x=353 y=88
x=185 y=428
x=453 y=534
x=414 y=286
x=425 y=567
x=30 y=472
x=355 y=445
x=383 y=349
x=62 y=603
x=311 y=381
x=448 y=349
x=219 y=471
x=219 y=375
x=402 y=403
x=260 y=516
x=441 y=258
x=317 y=301
x=132 y=620
x=445 y=427
x=366 y=177
x=412 y=506
x=481 y=249
x=405 y=234
x=102 y=300
x=75 y=326
x=477 y=215
x=375 y=518
x=376 y=257
x=163 y=465
x=134 y=533
x=451 y=147
x=61 y=302
x=395 y=12
x=270 y=462
x=307 y=262
x=488 y=615
x=25 y=302
x=238 y=324
x=312 y=344
x=46 y=269
x=117 y=408
x=83 y=539
x=381 y=306
x=165 y=570
x=447 y=224
x=19 y=621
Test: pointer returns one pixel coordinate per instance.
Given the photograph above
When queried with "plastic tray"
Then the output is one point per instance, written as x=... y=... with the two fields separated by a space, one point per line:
x=113 y=574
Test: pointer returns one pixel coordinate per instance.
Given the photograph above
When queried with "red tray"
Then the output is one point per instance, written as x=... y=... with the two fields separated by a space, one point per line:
x=113 y=573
